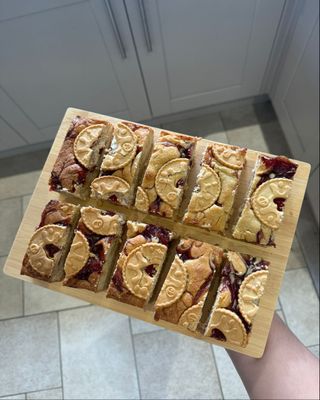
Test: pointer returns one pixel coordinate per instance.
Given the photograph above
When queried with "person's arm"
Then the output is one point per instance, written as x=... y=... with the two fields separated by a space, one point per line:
x=287 y=370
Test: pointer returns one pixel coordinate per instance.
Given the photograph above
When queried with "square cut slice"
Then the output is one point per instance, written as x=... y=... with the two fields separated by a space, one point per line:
x=212 y=199
x=165 y=178
x=49 y=244
x=187 y=283
x=94 y=249
x=139 y=264
x=123 y=164
x=263 y=210
x=243 y=279
x=80 y=156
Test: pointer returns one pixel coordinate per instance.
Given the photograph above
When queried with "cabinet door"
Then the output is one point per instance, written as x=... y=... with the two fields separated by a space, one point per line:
x=57 y=54
x=296 y=94
x=203 y=52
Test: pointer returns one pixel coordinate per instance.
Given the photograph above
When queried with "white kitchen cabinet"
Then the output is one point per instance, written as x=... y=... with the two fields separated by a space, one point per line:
x=203 y=52
x=295 y=96
x=56 y=54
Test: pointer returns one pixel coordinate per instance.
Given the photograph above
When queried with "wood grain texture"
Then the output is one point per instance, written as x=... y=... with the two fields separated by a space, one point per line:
x=277 y=256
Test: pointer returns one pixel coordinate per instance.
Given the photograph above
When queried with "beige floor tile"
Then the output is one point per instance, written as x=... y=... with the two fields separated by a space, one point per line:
x=18 y=185
x=11 y=301
x=38 y=300
x=29 y=351
x=300 y=305
x=231 y=383
x=97 y=355
x=53 y=394
x=173 y=366
x=248 y=136
x=10 y=217
x=25 y=202
x=296 y=258
x=201 y=126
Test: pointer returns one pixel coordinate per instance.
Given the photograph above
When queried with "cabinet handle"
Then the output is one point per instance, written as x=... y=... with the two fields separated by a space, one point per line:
x=145 y=25
x=116 y=31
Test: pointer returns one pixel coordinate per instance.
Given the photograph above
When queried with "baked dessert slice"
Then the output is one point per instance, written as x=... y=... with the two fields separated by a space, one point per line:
x=139 y=264
x=80 y=156
x=263 y=210
x=243 y=279
x=187 y=284
x=212 y=199
x=48 y=246
x=94 y=249
x=123 y=164
x=165 y=178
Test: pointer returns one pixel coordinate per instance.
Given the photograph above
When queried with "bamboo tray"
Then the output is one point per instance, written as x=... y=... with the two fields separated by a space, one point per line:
x=277 y=256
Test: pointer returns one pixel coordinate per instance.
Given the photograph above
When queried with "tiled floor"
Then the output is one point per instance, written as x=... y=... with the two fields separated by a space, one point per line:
x=54 y=347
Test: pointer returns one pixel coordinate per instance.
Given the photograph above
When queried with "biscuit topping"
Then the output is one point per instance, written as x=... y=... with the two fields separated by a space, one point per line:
x=137 y=266
x=83 y=145
x=123 y=148
x=265 y=201
x=78 y=255
x=42 y=239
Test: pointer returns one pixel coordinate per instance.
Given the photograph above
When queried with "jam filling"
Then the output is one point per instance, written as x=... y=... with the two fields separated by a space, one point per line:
x=117 y=280
x=152 y=231
x=277 y=167
x=93 y=265
x=51 y=250
x=79 y=172
x=231 y=281
x=154 y=207
x=180 y=183
x=203 y=289
x=96 y=261
x=217 y=334
x=186 y=152
x=150 y=270
x=280 y=203
x=184 y=253
x=51 y=208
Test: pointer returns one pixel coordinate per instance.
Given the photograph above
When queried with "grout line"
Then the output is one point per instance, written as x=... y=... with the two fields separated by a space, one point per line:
x=217 y=369
x=60 y=353
x=31 y=391
x=46 y=312
x=312 y=345
x=135 y=357
x=15 y=197
x=148 y=332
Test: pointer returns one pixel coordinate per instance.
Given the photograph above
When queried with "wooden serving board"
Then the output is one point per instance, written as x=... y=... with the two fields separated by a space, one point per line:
x=277 y=256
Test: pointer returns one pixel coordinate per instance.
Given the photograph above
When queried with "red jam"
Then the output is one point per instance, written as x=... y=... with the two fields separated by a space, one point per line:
x=150 y=270
x=280 y=203
x=277 y=167
x=155 y=206
x=185 y=152
x=51 y=250
x=92 y=265
x=203 y=289
x=117 y=280
x=217 y=334
x=153 y=231
x=180 y=183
